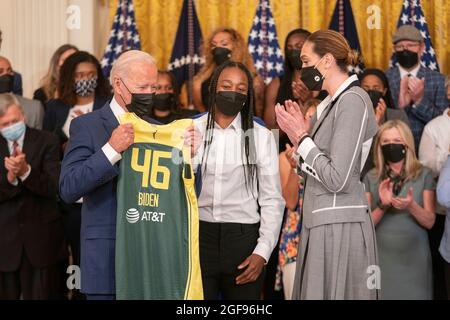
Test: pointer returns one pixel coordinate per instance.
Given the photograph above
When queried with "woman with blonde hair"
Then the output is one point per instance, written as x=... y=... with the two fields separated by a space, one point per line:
x=222 y=45
x=401 y=193
x=49 y=83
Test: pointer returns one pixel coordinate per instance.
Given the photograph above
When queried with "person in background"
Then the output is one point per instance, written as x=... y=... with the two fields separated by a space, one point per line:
x=240 y=202
x=17 y=77
x=417 y=90
x=376 y=84
x=401 y=194
x=33 y=109
x=32 y=244
x=222 y=45
x=166 y=107
x=433 y=152
x=82 y=88
x=288 y=86
x=49 y=83
x=443 y=197
x=374 y=81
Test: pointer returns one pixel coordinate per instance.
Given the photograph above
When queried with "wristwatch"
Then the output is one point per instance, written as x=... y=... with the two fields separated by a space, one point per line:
x=382 y=206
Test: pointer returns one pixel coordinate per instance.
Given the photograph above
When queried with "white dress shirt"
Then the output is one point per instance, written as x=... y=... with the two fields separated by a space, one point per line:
x=413 y=72
x=112 y=155
x=86 y=108
x=224 y=197
x=20 y=145
x=435 y=143
x=308 y=144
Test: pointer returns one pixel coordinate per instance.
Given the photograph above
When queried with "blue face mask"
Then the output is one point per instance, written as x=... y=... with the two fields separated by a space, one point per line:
x=14 y=131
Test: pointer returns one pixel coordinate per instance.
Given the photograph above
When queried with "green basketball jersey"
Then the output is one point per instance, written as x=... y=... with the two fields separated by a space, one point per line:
x=157 y=249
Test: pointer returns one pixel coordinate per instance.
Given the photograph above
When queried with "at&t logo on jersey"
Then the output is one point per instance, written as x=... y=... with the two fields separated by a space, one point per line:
x=132 y=215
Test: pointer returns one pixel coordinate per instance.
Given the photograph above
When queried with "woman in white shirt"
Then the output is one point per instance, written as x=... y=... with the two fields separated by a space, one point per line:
x=240 y=202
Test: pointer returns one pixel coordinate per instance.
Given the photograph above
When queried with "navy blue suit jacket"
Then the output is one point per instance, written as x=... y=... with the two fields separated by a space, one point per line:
x=86 y=172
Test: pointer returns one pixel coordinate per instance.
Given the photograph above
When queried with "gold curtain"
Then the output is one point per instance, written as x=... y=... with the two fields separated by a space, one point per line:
x=157 y=22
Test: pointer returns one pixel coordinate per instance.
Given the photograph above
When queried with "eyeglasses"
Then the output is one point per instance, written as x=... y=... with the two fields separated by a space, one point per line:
x=408 y=46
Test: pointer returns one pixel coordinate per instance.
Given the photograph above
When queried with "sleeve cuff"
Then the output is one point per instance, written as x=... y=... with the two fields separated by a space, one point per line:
x=112 y=155
x=25 y=176
x=263 y=250
x=15 y=183
x=305 y=147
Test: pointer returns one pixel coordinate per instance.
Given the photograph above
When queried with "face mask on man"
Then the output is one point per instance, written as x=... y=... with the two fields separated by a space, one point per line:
x=220 y=55
x=393 y=152
x=141 y=103
x=230 y=103
x=312 y=78
x=6 y=83
x=14 y=131
x=85 y=87
x=293 y=57
x=407 y=59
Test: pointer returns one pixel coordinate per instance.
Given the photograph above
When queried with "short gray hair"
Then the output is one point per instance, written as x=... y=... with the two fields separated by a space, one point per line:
x=7 y=100
x=122 y=64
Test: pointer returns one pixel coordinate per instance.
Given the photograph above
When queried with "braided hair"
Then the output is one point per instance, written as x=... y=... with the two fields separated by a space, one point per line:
x=248 y=139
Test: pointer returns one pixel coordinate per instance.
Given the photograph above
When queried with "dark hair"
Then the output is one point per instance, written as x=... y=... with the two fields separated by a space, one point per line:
x=248 y=143
x=67 y=77
x=382 y=76
x=285 y=90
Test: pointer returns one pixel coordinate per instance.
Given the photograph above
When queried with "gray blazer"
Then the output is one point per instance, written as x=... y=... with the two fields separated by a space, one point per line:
x=34 y=112
x=334 y=193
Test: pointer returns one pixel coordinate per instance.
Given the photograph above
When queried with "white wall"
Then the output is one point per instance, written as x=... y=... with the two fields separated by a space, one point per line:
x=34 y=29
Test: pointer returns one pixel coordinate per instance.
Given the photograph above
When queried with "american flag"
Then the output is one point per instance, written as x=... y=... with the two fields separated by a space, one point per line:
x=186 y=58
x=412 y=14
x=343 y=22
x=263 y=43
x=124 y=35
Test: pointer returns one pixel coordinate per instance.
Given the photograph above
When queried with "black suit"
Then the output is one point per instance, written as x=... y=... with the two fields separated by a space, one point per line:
x=31 y=232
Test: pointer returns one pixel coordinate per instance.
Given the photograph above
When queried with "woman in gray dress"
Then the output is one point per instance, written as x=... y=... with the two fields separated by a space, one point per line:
x=401 y=193
x=337 y=250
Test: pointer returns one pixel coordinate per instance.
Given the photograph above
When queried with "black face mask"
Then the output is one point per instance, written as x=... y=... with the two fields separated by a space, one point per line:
x=407 y=59
x=312 y=78
x=393 y=152
x=230 y=103
x=141 y=103
x=6 y=83
x=293 y=57
x=220 y=55
x=375 y=96
x=164 y=101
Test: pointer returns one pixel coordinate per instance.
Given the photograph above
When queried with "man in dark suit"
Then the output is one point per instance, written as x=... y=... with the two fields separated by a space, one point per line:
x=416 y=89
x=91 y=165
x=32 y=243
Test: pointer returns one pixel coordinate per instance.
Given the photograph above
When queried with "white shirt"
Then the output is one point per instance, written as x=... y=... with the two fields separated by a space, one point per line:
x=413 y=72
x=20 y=145
x=435 y=143
x=112 y=155
x=305 y=147
x=86 y=108
x=224 y=196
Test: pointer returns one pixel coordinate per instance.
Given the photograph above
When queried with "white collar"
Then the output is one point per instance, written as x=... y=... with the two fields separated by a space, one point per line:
x=328 y=99
x=413 y=72
x=446 y=113
x=116 y=109
x=235 y=124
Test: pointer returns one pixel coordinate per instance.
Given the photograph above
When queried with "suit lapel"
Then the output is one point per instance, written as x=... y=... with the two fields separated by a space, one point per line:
x=4 y=150
x=320 y=120
x=29 y=144
x=109 y=120
x=421 y=73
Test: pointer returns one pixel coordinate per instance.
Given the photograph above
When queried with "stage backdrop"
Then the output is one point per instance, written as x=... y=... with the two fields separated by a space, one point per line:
x=157 y=22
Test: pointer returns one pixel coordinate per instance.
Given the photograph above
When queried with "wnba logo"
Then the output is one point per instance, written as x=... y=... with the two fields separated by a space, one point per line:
x=132 y=215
